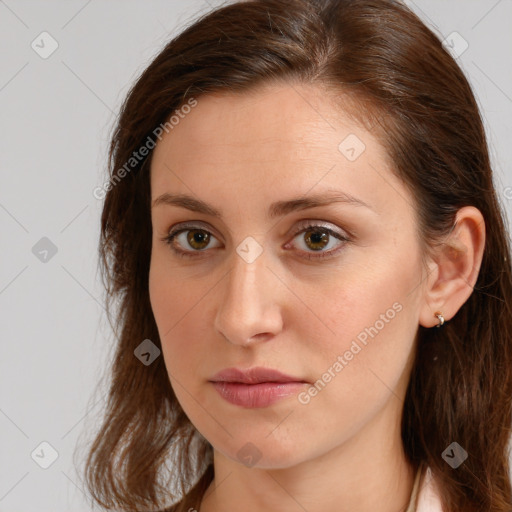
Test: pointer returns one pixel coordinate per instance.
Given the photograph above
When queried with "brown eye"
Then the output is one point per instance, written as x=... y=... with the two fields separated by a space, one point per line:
x=189 y=240
x=198 y=238
x=315 y=238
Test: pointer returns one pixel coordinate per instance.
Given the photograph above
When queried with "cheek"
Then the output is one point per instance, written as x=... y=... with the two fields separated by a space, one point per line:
x=364 y=365
x=368 y=316
x=177 y=302
x=373 y=314
x=357 y=299
x=170 y=295
x=162 y=296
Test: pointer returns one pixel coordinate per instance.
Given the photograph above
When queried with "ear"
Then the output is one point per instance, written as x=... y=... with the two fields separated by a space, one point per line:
x=454 y=268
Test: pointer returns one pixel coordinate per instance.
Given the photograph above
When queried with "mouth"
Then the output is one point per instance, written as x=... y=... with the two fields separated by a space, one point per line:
x=255 y=387
x=256 y=375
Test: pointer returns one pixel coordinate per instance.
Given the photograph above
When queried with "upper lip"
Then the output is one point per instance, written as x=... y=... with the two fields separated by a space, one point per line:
x=255 y=375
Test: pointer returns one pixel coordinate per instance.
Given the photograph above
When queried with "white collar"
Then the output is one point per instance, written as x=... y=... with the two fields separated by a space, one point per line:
x=428 y=496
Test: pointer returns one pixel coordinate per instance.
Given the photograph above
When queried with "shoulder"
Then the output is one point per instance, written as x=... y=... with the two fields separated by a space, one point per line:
x=429 y=499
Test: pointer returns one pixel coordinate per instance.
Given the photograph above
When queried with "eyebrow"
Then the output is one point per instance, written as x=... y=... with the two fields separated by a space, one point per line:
x=277 y=209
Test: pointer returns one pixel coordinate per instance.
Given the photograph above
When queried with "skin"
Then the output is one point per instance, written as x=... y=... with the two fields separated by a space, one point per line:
x=342 y=451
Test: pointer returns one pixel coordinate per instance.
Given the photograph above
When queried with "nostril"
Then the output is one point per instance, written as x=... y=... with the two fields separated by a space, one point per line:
x=261 y=337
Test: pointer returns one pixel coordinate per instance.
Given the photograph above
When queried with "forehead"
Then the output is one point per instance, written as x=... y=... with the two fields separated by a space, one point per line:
x=279 y=140
x=273 y=117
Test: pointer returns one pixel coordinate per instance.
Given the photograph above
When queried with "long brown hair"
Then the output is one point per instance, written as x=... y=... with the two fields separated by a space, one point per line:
x=412 y=94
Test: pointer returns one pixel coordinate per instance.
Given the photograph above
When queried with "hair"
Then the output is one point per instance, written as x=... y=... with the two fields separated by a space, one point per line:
x=405 y=87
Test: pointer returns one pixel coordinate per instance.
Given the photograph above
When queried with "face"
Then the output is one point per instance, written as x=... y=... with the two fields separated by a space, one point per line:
x=279 y=272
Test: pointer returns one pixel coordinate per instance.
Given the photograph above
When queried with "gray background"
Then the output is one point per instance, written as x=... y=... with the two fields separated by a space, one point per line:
x=56 y=117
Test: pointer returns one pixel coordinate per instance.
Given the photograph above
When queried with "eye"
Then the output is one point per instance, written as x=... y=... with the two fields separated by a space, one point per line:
x=316 y=237
x=188 y=236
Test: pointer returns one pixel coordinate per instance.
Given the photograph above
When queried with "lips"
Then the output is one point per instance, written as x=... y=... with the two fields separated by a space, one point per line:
x=255 y=375
x=255 y=387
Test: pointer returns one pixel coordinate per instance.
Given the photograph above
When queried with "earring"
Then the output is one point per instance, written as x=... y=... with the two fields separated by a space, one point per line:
x=440 y=317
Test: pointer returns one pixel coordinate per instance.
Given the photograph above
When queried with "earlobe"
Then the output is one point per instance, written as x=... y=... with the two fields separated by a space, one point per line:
x=456 y=266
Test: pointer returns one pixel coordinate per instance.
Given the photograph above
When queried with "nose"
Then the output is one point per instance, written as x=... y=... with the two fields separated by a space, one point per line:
x=249 y=307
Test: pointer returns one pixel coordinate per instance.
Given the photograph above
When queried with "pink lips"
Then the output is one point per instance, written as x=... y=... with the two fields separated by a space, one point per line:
x=255 y=387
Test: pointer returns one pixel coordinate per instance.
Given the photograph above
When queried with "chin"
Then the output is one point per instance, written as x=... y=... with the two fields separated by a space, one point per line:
x=262 y=452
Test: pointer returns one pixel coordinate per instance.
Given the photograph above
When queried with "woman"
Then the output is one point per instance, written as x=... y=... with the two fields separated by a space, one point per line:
x=312 y=270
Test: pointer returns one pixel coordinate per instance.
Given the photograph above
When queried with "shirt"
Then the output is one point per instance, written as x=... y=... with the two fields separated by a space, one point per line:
x=425 y=494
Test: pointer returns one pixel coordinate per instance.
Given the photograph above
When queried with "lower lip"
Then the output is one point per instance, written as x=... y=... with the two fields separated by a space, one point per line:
x=256 y=395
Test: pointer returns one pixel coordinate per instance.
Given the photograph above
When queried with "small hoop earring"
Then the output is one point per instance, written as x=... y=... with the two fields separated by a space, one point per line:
x=440 y=317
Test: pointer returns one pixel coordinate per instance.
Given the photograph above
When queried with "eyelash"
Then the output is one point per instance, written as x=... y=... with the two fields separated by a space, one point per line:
x=169 y=240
